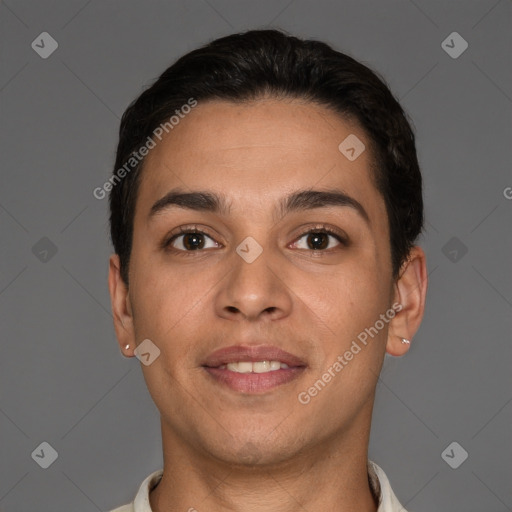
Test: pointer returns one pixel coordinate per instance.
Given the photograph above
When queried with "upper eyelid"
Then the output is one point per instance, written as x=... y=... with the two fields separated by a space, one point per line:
x=342 y=237
x=185 y=231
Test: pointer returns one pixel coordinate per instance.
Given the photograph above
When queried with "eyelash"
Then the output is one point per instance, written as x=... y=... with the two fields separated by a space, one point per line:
x=187 y=230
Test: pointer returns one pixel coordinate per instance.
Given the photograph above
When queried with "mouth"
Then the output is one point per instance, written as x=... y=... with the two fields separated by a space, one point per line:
x=253 y=369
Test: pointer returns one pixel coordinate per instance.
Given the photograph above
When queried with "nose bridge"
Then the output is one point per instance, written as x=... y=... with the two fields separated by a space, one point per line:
x=253 y=286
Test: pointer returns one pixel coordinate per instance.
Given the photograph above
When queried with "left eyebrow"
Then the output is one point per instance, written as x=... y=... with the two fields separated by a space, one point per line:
x=296 y=201
x=311 y=199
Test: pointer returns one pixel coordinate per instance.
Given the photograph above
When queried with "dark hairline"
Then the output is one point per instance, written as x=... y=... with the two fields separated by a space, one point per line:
x=235 y=69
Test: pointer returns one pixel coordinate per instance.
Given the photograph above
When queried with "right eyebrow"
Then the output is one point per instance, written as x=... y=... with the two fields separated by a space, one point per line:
x=200 y=201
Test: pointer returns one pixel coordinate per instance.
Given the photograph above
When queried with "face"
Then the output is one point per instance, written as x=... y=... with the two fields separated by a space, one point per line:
x=248 y=275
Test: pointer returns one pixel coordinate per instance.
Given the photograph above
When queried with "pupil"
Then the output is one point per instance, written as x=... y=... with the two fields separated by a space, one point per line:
x=318 y=241
x=193 y=241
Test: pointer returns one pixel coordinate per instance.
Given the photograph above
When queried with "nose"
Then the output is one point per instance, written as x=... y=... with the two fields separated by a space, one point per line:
x=254 y=290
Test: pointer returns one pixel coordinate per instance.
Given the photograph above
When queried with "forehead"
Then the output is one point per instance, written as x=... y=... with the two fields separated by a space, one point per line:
x=255 y=152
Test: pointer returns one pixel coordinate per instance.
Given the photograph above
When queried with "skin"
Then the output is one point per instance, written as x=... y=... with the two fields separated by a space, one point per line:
x=233 y=451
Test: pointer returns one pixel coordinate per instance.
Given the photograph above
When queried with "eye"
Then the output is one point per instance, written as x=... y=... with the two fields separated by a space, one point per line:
x=190 y=240
x=320 y=239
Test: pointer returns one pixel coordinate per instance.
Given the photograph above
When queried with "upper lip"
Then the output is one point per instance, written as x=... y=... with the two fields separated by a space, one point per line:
x=252 y=354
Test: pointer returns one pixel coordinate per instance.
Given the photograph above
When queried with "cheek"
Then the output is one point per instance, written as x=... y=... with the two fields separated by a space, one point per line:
x=161 y=300
x=352 y=309
x=349 y=300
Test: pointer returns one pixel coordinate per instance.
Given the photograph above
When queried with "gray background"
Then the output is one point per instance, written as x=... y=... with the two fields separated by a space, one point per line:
x=62 y=377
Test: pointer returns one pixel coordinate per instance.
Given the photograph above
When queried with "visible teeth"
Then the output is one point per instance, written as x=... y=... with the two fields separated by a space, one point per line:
x=261 y=367
x=256 y=367
x=275 y=365
x=245 y=367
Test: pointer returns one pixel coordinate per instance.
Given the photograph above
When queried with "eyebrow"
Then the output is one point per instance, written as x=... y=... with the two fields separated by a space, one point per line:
x=296 y=201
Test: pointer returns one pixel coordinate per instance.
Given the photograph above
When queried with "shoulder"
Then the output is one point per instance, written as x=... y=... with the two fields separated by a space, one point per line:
x=388 y=502
x=141 y=501
x=124 y=508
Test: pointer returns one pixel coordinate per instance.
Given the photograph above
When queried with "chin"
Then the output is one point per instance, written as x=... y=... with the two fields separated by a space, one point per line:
x=248 y=448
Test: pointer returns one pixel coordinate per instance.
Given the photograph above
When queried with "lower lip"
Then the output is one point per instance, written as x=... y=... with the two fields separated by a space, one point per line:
x=254 y=382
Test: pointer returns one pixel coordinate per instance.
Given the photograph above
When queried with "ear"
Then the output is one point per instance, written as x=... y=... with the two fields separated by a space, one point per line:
x=410 y=290
x=121 y=308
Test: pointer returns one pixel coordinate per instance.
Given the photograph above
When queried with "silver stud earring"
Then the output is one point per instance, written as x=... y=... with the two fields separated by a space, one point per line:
x=407 y=342
x=127 y=347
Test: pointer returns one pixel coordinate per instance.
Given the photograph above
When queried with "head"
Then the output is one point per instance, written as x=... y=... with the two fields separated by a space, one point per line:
x=256 y=123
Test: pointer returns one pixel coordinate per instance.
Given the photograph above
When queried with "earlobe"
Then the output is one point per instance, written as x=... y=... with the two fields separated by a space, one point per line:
x=121 y=308
x=410 y=292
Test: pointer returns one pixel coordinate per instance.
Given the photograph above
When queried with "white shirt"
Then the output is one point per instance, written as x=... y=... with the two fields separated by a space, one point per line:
x=379 y=482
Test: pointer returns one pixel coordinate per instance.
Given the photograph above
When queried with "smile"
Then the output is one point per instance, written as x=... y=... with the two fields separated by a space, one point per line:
x=254 y=367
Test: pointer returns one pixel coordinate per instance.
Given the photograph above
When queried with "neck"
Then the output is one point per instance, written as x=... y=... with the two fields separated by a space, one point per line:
x=332 y=477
